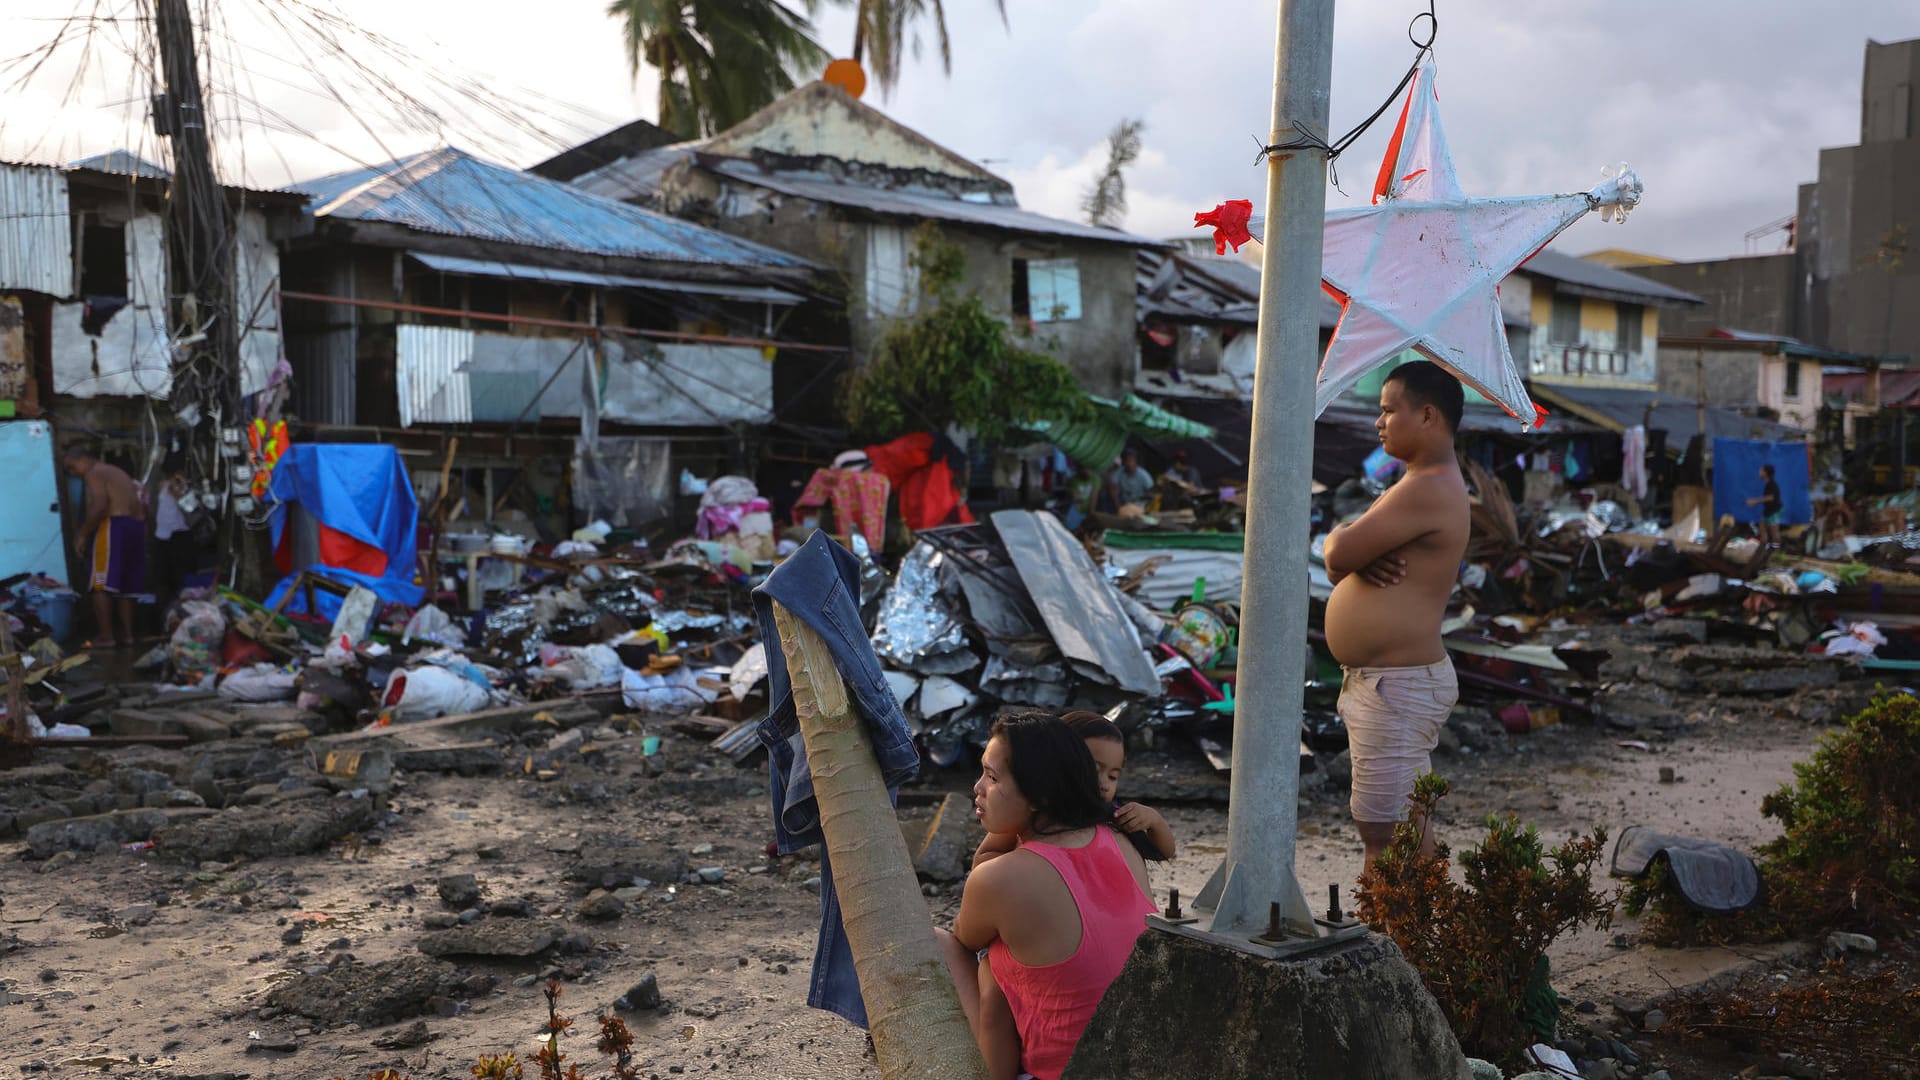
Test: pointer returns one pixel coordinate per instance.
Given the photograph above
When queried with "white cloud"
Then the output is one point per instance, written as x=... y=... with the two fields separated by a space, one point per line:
x=1721 y=105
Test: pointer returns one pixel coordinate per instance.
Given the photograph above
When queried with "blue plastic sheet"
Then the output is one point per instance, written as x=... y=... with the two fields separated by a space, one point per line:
x=1736 y=478
x=361 y=491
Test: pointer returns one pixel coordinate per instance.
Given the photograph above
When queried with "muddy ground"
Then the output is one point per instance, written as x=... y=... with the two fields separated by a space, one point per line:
x=207 y=955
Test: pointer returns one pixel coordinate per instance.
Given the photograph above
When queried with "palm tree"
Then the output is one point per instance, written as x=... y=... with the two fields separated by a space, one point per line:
x=1105 y=203
x=883 y=29
x=719 y=61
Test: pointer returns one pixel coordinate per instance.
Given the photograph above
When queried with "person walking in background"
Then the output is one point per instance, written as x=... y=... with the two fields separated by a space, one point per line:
x=1770 y=507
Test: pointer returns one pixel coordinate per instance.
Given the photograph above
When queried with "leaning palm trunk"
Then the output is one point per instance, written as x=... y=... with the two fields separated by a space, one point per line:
x=912 y=1009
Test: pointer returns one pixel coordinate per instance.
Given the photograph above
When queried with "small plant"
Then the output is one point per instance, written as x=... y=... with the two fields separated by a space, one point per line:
x=1481 y=948
x=500 y=1067
x=616 y=1042
x=1849 y=853
x=550 y=1055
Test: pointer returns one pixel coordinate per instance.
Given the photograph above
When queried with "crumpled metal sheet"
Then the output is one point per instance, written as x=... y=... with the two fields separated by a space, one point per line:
x=673 y=622
x=1046 y=686
x=916 y=623
x=1080 y=607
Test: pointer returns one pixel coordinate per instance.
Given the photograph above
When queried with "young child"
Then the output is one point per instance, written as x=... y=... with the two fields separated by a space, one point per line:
x=1142 y=824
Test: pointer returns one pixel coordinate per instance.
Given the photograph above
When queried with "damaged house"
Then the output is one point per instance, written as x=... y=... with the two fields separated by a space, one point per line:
x=581 y=349
x=88 y=333
x=822 y=175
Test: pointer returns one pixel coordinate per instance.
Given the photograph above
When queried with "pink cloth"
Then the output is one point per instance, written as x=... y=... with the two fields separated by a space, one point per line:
x=1053 y=1003
x=859 y=500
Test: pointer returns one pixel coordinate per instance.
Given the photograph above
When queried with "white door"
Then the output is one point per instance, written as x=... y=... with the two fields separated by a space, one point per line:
x=30 y=534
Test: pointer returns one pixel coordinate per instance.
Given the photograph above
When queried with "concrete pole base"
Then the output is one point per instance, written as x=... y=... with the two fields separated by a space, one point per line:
x=1187 y=1009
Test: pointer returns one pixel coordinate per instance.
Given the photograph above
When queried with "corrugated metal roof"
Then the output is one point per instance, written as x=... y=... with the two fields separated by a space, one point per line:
x=1898 y=389
x=36 y=235
x=1788 y=346
x=449 y=264
x=634 y=178
x=452 y=193
x=1590 y=275
x=920 y=207
x=1620 y=409
x=122 y=162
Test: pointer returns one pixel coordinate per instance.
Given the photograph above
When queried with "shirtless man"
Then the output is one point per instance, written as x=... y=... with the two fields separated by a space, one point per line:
x=113 y=540
x=1393 y=570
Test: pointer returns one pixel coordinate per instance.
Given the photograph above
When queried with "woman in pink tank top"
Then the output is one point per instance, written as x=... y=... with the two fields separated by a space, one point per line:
x=1058 y=915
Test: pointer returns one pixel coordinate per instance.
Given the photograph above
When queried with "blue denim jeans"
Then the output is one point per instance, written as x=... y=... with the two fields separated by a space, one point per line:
x=820 y=586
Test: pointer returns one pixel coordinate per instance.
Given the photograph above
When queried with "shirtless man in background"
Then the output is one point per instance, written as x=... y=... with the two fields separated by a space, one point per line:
x=1393 y=569
x=113 y=540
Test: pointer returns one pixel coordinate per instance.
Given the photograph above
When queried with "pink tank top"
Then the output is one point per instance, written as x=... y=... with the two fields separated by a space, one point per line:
x=1053 y=1003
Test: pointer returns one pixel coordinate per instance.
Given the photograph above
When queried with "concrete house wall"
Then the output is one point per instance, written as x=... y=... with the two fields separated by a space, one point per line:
x=1595 y=354
x=821 y=130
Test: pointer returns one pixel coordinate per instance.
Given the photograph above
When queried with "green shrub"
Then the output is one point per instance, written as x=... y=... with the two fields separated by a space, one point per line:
x=955 y=363
x=1849 y=855
x=1481 y=947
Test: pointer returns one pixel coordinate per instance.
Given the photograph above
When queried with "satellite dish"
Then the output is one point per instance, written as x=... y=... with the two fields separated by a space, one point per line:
x=848 y=76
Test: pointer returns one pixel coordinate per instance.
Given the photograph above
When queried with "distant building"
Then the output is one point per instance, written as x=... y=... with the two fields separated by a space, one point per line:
x=442 y=295
x=1851 y=281
x=1757 y=374
x=819 y=174
x=1859 y=234
x=1589 y=324
x=95 y=342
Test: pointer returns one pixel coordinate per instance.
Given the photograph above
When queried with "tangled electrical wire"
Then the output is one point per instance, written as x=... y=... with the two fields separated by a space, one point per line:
x=1307 y=140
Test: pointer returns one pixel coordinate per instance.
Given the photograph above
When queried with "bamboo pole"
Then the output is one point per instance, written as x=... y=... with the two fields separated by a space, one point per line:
x=913 y=1011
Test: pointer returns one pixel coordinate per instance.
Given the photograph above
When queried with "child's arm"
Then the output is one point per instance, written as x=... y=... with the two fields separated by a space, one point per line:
x=998 y=1038
x=1135 y=818
x=994 y=846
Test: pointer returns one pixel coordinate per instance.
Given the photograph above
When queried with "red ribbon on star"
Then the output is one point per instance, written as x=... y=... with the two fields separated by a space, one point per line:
x=1229 y=221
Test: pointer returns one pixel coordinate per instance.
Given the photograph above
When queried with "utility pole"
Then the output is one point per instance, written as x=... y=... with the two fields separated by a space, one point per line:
x=200 y=241
x=1263 y=815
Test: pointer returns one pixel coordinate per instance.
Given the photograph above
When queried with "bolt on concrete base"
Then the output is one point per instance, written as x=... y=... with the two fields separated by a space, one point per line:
x=1187 y=1009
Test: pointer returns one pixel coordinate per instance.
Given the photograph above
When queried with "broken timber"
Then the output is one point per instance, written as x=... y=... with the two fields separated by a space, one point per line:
x=918 y=1027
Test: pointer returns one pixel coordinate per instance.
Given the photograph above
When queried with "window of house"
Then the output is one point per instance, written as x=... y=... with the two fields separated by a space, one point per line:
x=491 y=296
x=1020 y=307
x=103 y=258
x=1632 y=318
x=1793 y=380
x=1053 y=290
x=1564 y=327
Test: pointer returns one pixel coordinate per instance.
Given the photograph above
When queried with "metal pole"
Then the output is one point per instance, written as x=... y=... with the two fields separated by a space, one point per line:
x=1263 y=814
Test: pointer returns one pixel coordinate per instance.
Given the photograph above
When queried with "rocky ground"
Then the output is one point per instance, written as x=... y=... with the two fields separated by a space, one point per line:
x=359 y=905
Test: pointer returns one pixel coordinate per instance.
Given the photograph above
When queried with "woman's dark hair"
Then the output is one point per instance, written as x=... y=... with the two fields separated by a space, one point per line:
x=1766 y=471
x=1091 y=725
x=1053 y=769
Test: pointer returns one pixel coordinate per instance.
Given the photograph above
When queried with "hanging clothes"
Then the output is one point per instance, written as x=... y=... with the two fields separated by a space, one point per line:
x=1633 y=466
x=917 y=465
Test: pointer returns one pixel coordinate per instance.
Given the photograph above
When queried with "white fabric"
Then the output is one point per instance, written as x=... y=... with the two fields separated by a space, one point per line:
x=1422 y=269
x=167 y=518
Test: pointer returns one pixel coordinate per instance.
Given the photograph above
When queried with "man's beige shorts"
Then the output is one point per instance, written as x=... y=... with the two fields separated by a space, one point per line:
x=1393 y=717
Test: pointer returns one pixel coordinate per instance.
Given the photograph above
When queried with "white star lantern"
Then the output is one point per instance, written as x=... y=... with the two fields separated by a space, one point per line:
x=1422 y=268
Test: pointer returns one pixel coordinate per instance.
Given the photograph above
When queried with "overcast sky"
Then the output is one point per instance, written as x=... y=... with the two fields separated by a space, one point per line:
x=1720 y=105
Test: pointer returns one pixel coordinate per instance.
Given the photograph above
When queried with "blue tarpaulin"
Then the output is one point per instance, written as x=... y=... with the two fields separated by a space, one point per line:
x=363 y=502
x=1736 y=478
